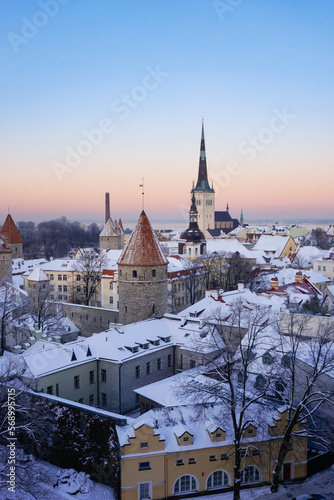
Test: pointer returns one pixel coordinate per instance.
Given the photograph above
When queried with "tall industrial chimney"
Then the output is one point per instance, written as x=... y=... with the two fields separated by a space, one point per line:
x=107 y=207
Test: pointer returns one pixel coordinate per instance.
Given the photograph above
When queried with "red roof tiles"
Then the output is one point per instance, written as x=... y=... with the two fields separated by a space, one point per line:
x=10 y=231
x=143 y=248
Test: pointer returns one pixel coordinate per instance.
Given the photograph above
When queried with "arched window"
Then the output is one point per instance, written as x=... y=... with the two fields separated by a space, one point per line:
x=189 y=251
x=196 y=251
x=251 y=474
x=260 y=382
x=218 y=479
x=185 y=484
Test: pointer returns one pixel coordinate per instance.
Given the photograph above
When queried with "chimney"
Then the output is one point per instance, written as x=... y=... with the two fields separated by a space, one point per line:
x=241 y=286
x=183 y=320
x=107 y=207
x=274 y=283
x=299 y=277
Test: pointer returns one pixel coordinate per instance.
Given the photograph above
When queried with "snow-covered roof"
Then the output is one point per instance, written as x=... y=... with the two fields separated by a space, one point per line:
x=118 y=344
x=229 y=246
x=273 y=244
x=38 y=275
x=196 y=420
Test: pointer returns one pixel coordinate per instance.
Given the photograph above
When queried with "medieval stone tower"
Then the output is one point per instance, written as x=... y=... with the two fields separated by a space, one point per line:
x=12 y=237
x=204 y=195
x=142 y=276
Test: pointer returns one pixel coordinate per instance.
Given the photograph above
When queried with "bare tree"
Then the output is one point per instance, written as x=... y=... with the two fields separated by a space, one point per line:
x=228 y=373
x=88 y=270
x=195 y=281
x=307 y=346
x=11 y=304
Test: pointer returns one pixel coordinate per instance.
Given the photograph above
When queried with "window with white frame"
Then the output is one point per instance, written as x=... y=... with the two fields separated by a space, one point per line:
x=185 y=484
x=218 y=479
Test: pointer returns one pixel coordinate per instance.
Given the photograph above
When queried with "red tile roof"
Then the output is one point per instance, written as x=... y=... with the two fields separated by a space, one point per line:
x=143 y=248
x=10 y=231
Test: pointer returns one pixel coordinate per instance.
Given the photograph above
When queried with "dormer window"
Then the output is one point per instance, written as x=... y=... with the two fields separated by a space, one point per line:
x=186 y=439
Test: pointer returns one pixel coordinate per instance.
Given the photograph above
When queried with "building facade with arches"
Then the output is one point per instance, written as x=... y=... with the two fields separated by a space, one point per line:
x=179 y=451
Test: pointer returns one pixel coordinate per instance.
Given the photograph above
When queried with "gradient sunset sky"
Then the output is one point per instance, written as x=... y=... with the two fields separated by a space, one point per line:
x=260 y=72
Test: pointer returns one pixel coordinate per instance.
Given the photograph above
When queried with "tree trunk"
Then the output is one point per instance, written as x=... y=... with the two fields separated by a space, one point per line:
x=282 y=453
x=237 y=475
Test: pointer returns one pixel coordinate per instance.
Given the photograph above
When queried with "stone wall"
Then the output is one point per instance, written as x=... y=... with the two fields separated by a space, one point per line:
x=5 y=265
x=142 y=296
x=90 y=319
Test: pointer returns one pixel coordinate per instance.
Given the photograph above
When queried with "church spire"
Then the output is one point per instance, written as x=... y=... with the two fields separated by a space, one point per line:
x=202 y=181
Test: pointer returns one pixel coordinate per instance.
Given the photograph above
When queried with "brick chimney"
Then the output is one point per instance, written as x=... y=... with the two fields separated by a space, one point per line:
x=274 y=283
x=299 y=277
x=107 y=215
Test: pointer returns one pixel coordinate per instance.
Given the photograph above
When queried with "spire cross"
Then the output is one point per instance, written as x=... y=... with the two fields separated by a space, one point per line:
x=142 y=193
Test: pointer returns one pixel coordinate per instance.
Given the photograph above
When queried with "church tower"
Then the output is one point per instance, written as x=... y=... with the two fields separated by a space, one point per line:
x=192 y=241
x=142 y=275
x=204 y=195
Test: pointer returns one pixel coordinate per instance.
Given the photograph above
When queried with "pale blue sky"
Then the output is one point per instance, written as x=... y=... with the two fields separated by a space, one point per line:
x=261 y=56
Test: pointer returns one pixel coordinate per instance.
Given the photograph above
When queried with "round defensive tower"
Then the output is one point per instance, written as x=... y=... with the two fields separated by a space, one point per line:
x=142 y=275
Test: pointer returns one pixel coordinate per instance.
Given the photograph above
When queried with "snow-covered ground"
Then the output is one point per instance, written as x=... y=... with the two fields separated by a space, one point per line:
x=321 y=483
x=48 y=482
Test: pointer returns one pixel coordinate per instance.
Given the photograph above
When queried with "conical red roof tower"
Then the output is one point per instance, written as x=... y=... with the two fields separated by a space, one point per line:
x=10 y=231
x=143 y=248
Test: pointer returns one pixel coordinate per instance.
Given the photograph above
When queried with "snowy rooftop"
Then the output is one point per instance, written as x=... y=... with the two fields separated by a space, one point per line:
x=199 y=422
x=273 y=244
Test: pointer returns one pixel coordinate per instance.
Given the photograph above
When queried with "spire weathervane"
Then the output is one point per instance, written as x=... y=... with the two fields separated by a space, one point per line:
x=142 y=193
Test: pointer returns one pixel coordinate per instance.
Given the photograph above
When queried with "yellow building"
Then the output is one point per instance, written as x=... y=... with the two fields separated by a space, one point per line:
x=178 y=451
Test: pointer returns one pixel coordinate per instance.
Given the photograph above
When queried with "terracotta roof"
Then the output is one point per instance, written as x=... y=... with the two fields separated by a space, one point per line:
x=10 y=231
x=143 y=248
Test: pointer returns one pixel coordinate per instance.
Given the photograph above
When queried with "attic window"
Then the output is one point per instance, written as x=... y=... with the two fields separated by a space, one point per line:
x=89 y=352
x=132 y=349
x=155 y=342
x=218 y=435
x=186 y=439
x=73 y=358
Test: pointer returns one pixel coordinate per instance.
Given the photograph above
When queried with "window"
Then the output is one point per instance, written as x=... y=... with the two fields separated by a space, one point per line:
x=192 y=363
x=217 y=479
x=179 y=462
x=154 y=273
x=143 y=445
x=159 y=364
x=111 y=300
x=144 y=491
x=286 y=361
x=110 y=285
x=64 y=277
x=78 y=277
x=60 y=288
x=80 y=401
x=148 y=368
x=324 y=268
x=91 y=400
x=255 y=452
x=91 y=377
x=125 y=309
x=260 y=382
x=250 y=430
x=224 y=456
x=103 y=375
x=186 y=439
x=57 y=389
x=103 y=399
x=134 y=274
x=240 y=378
x=144 y=465
x=185 y=484
x=279 y=386
x=65 y=288
x=319 y=268
x=60 y=297
x=213 y=458
x=218 y=435
x=169 y=360
x=51 y=277
x=78 y=289
x=49 y=390
x=267 y=359
x=77 y=382
x=59 y=277
x=243 y=452
x=250 y=474
x=191 y=460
